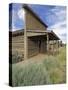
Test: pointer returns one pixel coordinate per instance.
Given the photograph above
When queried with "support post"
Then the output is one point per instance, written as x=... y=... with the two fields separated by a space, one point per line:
x=47 y=43
x=58 y=46
x=25 y=39
x=53 y=46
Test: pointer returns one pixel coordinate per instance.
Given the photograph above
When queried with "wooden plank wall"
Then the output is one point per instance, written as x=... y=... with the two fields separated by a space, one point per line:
x=43 y=46
x=32 y=23
x=33 y=48
x=53 y=47
x=18 y=45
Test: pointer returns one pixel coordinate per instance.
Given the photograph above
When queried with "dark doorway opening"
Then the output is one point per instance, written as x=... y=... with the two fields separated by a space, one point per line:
x=39 y=46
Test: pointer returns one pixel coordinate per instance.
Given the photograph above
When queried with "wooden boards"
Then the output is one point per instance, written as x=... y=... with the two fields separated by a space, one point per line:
x=18 y=45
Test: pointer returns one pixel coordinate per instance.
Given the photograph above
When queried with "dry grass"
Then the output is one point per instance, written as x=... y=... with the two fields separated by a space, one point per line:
x=40 y=70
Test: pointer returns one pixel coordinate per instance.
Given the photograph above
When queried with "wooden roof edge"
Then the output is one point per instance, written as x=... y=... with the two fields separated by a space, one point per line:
x=21 y=31
x=45 y=31
x=55 y=35
x=35 y=14
x=39 y=31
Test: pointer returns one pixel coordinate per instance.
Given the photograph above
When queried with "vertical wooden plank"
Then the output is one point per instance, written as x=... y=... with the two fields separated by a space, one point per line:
x=58 y=46
x=53 y=47
x=47 y=43
x=25 y=38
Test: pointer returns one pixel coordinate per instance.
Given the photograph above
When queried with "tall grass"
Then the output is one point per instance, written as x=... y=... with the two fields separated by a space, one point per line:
x=16 y=57
x=51 y=70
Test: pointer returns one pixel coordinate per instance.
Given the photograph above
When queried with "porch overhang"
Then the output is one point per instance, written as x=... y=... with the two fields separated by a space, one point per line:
x=41 y=33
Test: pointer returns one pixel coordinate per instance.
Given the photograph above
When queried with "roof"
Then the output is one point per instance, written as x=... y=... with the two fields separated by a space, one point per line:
x=17 y=32
x=52 y=35
x=34 y=14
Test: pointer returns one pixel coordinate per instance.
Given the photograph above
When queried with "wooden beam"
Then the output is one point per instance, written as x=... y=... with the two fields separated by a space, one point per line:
x=39 y=31
x=25 y=39
x=29 y=34
x=47 y=43
x=53 y=47
x=58 y=46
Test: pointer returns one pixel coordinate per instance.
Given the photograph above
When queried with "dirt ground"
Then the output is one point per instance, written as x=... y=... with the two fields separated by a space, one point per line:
x=34 y=59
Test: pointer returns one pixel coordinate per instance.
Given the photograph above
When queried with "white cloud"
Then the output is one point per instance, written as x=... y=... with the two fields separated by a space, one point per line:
x=59 y=27
x=59 y=12
x=21 y=14
x=14 y=28
x=62 y=12
x=14 y=16
x=60 y=32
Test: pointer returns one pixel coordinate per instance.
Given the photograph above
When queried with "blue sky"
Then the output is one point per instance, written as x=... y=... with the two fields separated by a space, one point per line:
x=53 y=16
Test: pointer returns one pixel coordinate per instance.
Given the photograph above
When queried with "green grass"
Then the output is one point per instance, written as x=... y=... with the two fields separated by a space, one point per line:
x=51 y=70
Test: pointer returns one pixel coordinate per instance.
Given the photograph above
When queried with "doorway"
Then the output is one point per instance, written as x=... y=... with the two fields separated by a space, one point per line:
x=39 y=46
x=42 y=46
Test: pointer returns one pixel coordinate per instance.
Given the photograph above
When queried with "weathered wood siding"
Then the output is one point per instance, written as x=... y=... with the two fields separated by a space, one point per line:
x=29 y=34
x=32 y=23
x=43 y=48
x=53 y=46
x=32 y=47
x=18 y=45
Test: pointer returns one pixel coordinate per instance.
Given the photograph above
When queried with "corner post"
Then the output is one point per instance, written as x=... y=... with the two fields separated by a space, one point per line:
x=53 y=47
x=25 y=38
x=58 y=46
x=47 y=43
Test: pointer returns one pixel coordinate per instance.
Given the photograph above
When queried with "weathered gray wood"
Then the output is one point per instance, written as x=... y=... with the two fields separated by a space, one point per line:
x=29 y=34
x=33 y=48
x=32 y=23
x=47 y=43
x=18 y=45
x=39 y=31
x=25 y=38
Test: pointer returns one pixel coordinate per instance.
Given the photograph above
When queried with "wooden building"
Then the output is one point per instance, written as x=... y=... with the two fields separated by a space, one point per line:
x=34 y=38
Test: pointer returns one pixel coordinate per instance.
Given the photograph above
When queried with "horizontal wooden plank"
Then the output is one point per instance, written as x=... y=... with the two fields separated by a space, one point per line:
x=18 y=49
x=18 y=44
x=18 y=41
x=18 y=38
x=34 y=34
